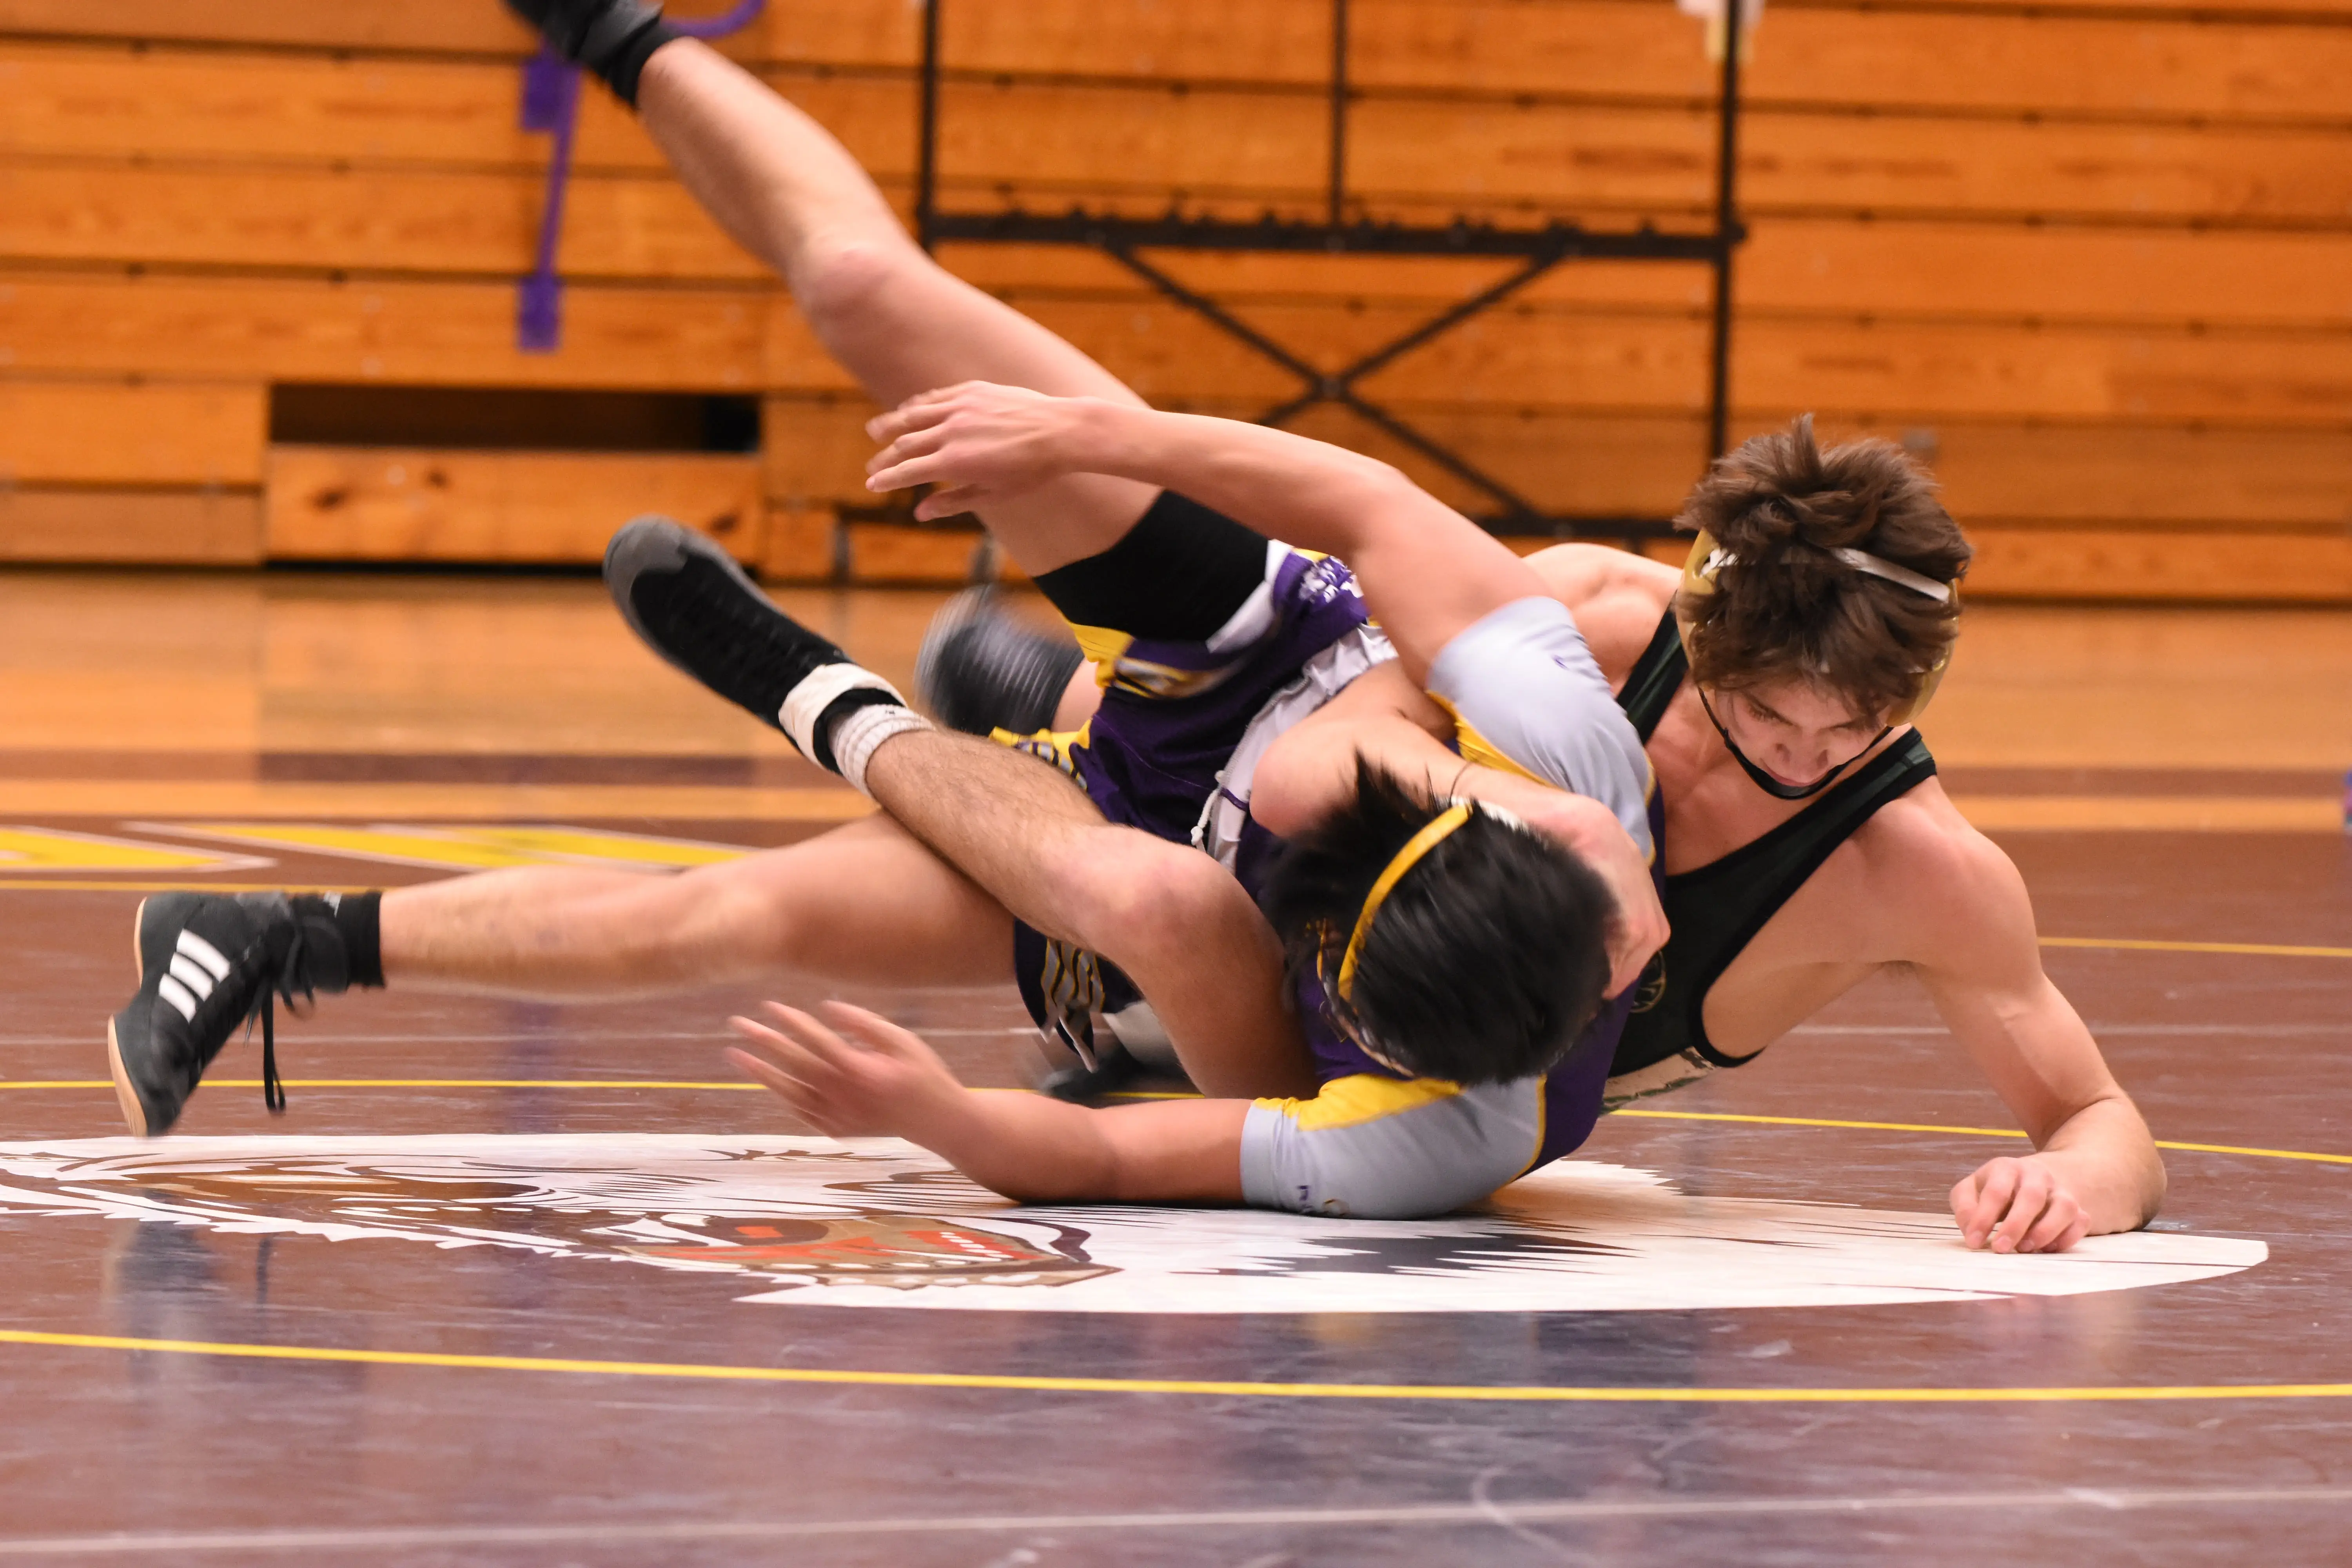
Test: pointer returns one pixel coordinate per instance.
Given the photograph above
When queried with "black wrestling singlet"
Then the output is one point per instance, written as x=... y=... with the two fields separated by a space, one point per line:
x=1716 y=910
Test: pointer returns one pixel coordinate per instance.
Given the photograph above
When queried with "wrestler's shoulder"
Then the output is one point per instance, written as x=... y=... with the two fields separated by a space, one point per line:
x=1616 y=596
x=1919 y=856
x=1577 y=573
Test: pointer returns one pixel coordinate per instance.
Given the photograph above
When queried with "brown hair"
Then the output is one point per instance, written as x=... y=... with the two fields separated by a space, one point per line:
x=1785 y=606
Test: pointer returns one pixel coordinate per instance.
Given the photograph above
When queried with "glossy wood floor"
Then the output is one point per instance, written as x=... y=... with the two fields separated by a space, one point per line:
x=478 y=1324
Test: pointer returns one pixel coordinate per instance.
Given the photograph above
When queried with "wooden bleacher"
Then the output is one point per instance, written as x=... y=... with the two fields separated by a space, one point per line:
x=2089 y=264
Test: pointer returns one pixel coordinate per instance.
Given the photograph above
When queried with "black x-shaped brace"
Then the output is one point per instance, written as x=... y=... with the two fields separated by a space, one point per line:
x=1339 y=386
x=1538 y=251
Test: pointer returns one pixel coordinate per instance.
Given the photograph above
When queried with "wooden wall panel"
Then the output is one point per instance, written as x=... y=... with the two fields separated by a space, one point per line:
x=454 y=24
x=1812 y=267
x=451 y=333
x=799 y=545
x=1985 y=60
x=117 y=101
x=2059 y=564
x=1518 y=360
x=2144 y=476
x=1995 y=474
x=114 y=433
x=1045 y=144
x=374 y=503
x=2095 y=263
x=814 y=450
x=192 y=527
x=887 y=554
x=1502 y=158
x=317 y=220
x=2195 y=61
x=455 y=27
x=2026 y=275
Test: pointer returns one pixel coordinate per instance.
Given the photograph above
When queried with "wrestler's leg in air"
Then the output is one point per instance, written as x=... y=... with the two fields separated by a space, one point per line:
x=794 y=196
x=901 y=325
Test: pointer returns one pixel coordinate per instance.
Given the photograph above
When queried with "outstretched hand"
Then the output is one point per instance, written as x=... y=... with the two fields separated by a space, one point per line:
x=862 y=1076
x=978 y=442
x=2010 y=1204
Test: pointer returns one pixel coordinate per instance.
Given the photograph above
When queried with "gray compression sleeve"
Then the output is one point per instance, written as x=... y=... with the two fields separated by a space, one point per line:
x=1379 y=1148
x=1522 y=684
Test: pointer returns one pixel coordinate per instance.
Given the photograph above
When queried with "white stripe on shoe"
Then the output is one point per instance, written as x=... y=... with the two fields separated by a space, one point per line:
x=171 y=990
x=188 y=974
x=204 y=953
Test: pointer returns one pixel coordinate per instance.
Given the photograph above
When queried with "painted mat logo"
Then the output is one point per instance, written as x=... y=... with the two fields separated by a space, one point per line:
x=879 y=1223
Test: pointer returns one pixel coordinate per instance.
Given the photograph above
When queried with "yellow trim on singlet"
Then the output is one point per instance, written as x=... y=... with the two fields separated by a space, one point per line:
x=1055 y=746
x=1360 y=1098
x=1103 y=646
x=1475 y=748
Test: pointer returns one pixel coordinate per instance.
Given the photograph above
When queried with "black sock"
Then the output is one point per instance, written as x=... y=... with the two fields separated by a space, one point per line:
x=614 y=38
x=841 y=708
x=345 y=936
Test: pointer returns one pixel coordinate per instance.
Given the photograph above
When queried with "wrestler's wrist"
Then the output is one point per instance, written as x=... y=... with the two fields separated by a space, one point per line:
x=1090 y=436
x=942 y=1118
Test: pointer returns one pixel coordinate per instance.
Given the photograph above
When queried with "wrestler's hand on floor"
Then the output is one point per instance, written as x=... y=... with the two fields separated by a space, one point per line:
x=856 y=1075
x=862 y=1076
x=979 y=442
x=2012 y=1204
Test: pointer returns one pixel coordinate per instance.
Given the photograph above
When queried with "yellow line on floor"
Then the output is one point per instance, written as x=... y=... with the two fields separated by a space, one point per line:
x=1518 y=1393
x=187 y=885
x=403 y=1083
x=699 y=1086
x=2129 y=944
x=394 y=802
x=1966 y=1133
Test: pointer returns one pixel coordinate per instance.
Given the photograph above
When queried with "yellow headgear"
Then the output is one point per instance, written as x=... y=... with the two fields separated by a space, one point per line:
x=1707 y=558
x=1432 y=833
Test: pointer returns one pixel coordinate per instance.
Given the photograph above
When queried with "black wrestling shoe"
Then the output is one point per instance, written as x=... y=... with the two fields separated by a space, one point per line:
x=207 y=963
x=981 y=670
x=1115 y=1068
x=688 y=601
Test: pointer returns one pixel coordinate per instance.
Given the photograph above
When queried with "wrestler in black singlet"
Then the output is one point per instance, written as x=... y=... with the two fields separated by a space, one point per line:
x=1717 y=909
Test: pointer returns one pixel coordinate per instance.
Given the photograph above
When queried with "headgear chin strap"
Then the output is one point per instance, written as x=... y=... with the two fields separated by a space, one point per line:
x=1707 y=559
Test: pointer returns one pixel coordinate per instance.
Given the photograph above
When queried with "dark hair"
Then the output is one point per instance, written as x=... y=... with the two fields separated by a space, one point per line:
x=1784 y=606
x=1485 y=961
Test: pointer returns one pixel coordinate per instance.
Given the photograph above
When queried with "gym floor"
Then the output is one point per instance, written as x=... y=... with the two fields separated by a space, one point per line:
x=519 y=1283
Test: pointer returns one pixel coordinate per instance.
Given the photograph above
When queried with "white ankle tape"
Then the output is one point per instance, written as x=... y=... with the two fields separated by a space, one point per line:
x=807 y=702
x=859 y=734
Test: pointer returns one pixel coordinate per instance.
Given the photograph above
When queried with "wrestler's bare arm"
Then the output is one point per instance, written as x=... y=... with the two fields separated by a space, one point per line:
x=2094 y=1168
x=1427 y=572
x=855 y=1074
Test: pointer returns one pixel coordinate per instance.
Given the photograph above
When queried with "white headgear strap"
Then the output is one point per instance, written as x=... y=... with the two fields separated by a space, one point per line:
x=1901 y=576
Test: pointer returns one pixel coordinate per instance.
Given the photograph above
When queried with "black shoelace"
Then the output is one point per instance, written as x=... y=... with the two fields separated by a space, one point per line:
x=291 y=975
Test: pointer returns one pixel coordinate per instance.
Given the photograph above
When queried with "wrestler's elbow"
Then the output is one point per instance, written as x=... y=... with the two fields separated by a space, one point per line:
x=1352 y=1189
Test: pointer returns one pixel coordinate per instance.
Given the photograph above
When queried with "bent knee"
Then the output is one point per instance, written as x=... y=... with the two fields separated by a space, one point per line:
x=848 y=281
x=1146 y=892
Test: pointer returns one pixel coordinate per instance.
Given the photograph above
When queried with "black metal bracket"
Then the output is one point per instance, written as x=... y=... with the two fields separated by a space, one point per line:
x=1538 y=251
